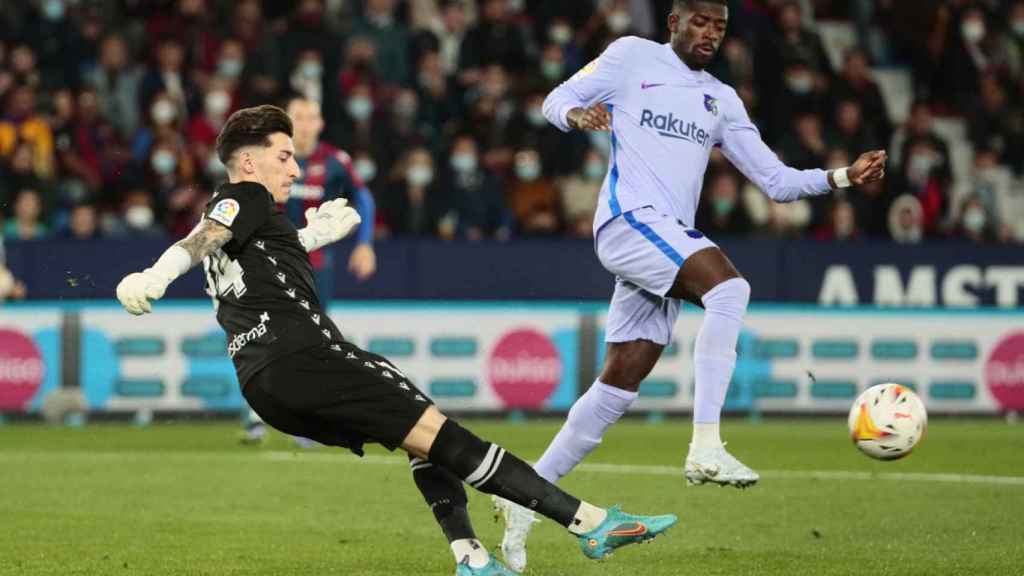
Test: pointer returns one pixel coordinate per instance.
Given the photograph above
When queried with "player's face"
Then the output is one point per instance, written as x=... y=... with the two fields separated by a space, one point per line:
x=306 y=121
x=698 y=33
x=275 y=166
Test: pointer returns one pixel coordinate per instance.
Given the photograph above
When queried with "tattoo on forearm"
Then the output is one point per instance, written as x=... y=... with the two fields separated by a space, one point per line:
x=206 y=239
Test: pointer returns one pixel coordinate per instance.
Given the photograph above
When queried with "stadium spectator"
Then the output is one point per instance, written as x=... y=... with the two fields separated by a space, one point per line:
x=167 y=78
x=116 y=81
x=850 y=131
x=562 y=153
x=26 y=222
x=413 y=205
x=992 y=185
x=478 y=201
x=992 y=123
x=856 y=83
x=496 y=39
x=841 y=223
x=10 y=287
x=976 y=222
x=20 y=174
x=83 y=223
x=905 y=220
x=440 y=104
x=390 y=39
x=137 y=217
x=533 y=197
x=721 y=213
x=580 y=191
x=22 y=123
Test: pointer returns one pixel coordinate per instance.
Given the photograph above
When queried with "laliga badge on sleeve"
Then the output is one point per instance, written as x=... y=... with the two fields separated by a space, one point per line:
x=225 y=211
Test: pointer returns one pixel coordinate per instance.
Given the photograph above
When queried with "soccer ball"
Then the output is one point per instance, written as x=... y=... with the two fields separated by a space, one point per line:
x=887 y=421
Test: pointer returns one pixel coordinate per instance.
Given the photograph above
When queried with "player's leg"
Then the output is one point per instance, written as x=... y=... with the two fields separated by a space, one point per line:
x=709 y=278
x=446 y=497
x=492 y=470
x=254 y=430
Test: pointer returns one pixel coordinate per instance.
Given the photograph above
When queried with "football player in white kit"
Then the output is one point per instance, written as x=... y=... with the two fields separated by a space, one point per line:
x=665 y=114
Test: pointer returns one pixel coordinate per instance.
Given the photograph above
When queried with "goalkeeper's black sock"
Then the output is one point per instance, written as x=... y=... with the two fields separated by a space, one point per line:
x=445 y=496
x=490 y=469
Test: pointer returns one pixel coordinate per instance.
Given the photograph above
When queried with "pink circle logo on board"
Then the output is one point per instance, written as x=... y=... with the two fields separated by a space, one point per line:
x=525 y=368
x=1004 y=372
x=21 y=370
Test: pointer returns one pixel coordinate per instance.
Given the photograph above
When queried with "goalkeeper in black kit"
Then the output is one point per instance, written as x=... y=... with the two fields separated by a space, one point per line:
x=301 y=376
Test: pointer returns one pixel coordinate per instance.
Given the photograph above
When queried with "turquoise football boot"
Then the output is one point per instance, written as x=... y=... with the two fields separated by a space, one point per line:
x=620 y=529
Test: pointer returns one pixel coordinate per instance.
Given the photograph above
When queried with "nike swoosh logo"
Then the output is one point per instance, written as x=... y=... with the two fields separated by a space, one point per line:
x=645 y=85
x=637 y=529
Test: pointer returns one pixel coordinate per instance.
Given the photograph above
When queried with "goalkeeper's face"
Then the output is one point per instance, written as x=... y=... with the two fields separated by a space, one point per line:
x=274 y=166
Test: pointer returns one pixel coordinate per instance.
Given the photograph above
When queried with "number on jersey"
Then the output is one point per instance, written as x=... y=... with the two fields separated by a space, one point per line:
x=224 y=276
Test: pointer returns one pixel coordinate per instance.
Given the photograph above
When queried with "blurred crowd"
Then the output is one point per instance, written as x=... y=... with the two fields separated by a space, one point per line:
x=109 y=110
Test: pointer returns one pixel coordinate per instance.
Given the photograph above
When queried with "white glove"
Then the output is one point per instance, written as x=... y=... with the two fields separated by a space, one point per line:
x=136 y=290
x=329 y=223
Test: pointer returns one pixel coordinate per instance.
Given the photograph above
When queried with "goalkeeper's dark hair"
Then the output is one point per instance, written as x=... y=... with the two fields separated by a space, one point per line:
x=251 y=127
x=689 y=4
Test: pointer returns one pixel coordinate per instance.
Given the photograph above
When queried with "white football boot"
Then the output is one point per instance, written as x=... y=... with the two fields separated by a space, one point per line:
x=518 y=521
x=717 y=466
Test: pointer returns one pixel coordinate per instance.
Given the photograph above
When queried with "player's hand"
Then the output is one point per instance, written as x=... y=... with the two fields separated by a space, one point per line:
x=870 y=167
x=332 y=221
x=595 y=118
x=136 y=290
x=363 y=262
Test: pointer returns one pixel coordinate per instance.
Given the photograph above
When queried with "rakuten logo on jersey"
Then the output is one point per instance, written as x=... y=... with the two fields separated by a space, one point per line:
x=1004 y=372
x=669 y=126
x=525 y=368
x=21 y=370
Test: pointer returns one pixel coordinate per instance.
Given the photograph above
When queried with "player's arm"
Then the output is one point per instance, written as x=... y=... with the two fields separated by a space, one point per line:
x=580 y=102
x=743 y=146
x=136 y=290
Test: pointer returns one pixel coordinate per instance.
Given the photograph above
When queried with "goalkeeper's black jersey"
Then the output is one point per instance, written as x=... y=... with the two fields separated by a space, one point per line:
x=261 y=281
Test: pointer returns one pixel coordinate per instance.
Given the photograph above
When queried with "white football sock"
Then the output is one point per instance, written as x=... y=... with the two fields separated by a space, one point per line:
x=705 y=436
x=714 y=356
x=472 y=548
x=590 y=416
x=588 y=517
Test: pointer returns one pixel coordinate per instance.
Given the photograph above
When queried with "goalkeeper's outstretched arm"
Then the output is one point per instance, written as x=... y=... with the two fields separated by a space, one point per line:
x=136 y=290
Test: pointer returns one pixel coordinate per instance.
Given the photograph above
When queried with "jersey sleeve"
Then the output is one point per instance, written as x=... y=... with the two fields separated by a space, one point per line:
x=242 y=209
x=743 y=146
x=595 y=83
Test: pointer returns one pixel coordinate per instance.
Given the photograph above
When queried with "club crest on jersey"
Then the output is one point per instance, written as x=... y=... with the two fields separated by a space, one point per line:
x=225 y=211
x=711 y=104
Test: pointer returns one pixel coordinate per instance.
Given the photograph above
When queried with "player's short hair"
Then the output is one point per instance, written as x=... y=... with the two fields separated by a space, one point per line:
x=251 y=127
x=689 y=4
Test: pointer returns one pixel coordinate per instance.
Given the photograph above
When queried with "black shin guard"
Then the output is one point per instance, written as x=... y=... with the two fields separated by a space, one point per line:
x=445 y=496
x=490 y=469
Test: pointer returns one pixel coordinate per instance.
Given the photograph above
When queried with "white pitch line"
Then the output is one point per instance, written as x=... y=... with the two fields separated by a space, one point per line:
x=317 y=457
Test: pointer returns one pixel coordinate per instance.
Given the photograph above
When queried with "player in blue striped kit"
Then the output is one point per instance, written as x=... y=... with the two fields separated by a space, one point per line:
x=665 y=114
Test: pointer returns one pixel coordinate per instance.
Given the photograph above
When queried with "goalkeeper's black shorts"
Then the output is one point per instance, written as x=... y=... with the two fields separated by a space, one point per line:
x=338 y=395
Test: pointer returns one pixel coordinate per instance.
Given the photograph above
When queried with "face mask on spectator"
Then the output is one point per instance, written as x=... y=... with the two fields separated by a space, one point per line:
x=163 y=112
x=973 y=30
x=164 y=162
x=800 y=83
x=53 y=10
x=560 y=34
x=535 y=116
x=619 y=21
x=230 y=67
x=360 y=108
x=311 y=69
x=419 y=175
x=139 y=217
x=365 y=169
x=215 y=168
x=722 y=206
x=594 y=170
x=551 y=69
x=217 y=103
x=464 y=163
x=974 y=220
x=527 y=171
x=919 y=168
x=1018 y=28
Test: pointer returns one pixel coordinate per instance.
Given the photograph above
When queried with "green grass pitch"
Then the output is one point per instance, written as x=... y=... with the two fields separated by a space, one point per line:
x=186 y=499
